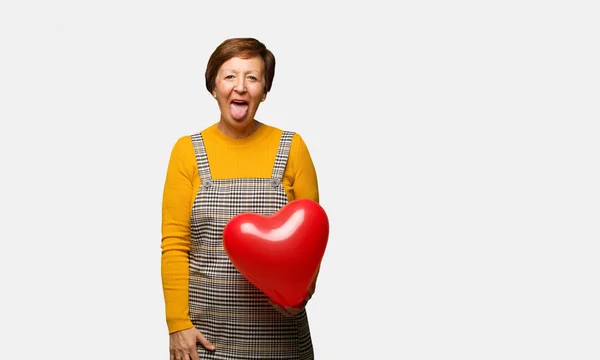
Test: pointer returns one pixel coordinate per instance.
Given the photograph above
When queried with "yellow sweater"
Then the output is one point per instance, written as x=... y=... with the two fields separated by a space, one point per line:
x=253 y=156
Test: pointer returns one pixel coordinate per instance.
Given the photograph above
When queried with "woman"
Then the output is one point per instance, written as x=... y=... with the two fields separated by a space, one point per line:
x=235 y=165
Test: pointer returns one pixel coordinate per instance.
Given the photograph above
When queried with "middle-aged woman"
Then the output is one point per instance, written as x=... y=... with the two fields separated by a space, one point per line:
x=235 y=165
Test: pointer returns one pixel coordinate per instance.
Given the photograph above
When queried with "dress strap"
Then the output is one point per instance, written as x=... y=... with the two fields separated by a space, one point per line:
x=282 y=157
x=201 y=160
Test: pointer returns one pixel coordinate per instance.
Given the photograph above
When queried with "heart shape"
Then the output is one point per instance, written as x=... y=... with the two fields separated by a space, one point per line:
x=281 y=253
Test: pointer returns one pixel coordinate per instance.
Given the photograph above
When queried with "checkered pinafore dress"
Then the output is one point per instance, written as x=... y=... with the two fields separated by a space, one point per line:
x=229 y=310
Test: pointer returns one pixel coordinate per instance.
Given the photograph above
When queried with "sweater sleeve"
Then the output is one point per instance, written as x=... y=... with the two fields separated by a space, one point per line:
x=175 y=243
x=304 y=180
x=301 y=170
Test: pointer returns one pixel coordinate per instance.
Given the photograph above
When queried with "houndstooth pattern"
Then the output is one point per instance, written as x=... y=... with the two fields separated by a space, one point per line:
x=229 y=310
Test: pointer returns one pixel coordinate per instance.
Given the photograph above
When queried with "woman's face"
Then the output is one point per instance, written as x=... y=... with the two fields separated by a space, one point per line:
x=239 y=90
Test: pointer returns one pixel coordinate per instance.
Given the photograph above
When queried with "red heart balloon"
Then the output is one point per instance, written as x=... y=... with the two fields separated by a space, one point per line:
x=281 y=253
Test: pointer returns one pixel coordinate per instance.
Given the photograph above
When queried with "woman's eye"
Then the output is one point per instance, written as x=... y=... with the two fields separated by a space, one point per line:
x=253 y=78
x=229 y=77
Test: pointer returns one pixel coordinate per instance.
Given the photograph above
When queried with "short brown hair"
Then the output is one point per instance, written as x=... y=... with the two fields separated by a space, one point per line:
x=244 y=48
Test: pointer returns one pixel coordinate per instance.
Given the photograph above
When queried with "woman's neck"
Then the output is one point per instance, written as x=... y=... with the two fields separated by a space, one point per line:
x=235 y=133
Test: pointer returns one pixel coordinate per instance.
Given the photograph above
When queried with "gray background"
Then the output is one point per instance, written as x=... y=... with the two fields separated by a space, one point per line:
x=456 y=145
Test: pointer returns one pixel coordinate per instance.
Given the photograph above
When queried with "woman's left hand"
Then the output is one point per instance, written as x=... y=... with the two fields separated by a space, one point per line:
x=292 y=310
x=288 y=310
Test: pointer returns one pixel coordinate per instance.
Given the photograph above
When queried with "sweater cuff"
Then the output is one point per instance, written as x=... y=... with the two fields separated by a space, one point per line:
x=178 y=325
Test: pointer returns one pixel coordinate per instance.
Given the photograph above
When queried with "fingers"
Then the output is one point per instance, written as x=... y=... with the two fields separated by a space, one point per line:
x=311 y=289
x=204 y=341
x=280 y=308
x=183 y=344
x=294 y=310
x=289 y=310
x=193 y=355
x=184 y=356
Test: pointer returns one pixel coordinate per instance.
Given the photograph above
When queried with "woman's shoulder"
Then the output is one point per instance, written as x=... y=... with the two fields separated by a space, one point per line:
x=183 y=148
x=185 y=141
x=278 y=132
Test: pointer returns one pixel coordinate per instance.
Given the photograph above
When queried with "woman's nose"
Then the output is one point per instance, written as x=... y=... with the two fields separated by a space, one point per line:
x=240 y=86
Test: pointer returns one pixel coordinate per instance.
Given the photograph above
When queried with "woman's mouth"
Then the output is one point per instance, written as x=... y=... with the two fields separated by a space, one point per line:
x=238 y=108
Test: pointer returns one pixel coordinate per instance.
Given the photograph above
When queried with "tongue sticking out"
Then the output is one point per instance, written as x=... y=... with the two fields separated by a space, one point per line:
x=238 y=110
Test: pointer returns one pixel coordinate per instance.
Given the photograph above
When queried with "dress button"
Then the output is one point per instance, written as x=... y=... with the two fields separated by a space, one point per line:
x=275 y=182
x=207 y=183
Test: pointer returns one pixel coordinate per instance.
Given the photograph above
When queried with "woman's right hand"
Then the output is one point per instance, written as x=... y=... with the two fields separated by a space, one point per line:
x=182 y=344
